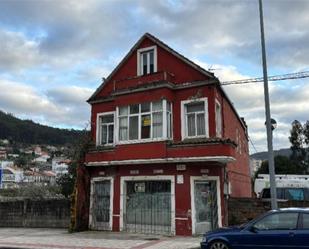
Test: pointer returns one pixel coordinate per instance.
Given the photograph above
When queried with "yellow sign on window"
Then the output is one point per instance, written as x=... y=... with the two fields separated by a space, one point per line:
x=146 y=121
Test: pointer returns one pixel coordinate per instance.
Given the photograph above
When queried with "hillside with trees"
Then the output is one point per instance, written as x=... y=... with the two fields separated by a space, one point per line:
x=29 y=132
x=297 y=159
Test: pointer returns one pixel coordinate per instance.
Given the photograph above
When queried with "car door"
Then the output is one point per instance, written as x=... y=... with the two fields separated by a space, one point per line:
x=302 y=233
x=276 y=230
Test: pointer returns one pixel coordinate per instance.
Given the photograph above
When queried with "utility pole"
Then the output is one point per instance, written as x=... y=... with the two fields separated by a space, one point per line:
x=271 y=164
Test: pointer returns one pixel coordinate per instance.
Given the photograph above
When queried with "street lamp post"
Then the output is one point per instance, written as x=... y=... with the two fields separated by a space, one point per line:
x=271 y=164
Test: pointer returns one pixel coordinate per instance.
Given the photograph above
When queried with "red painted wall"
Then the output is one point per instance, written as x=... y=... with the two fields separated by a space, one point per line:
x=165 y=62
x=182 y=191
x=238 y=171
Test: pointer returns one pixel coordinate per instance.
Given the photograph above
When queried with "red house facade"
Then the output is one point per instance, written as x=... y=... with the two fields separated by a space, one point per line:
x=169 y=146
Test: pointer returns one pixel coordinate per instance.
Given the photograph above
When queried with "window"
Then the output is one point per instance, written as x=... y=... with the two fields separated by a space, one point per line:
x=238 y=141
x=281 y=221
x=105 y=134
x=145 y=121
x=147 y=60
x=194 y=118
x=305 y=221
x=218 y=119
x=157 y=119
x=296 y=194
x=169 y=119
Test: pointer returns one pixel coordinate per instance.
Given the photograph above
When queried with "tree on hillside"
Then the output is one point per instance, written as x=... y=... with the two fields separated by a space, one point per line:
x=296 y=140
x=299 y=138
x=306 y=134
x=283 y=165
x=298 y=162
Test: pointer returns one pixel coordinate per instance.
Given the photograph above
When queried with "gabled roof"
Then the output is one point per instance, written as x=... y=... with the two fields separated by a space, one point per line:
x=160 y=44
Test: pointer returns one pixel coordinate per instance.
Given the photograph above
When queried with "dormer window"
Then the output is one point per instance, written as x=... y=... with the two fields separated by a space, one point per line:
x=147 y=60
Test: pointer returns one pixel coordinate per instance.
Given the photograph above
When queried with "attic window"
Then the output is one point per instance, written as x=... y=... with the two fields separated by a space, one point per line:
x=147 y=60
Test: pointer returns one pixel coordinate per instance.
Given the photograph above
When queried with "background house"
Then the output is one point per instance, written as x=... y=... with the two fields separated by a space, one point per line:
x=169 y=147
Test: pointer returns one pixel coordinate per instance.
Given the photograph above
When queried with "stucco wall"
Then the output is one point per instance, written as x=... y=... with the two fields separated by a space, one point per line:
x=50 y=213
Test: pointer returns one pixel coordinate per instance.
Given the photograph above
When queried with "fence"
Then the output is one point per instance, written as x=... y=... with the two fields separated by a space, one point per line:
x=48 y=213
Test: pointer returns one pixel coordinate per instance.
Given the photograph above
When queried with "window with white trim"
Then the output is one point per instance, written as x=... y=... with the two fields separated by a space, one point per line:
x=145 y=121
x=169 y=119
x=195 y=118
x=218 y=119
x=106 y=126
x=146 y=60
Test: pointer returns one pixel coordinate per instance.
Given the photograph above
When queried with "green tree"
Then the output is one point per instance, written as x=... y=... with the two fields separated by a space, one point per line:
x=306 y=133
x=296 y=140
x=67 y=181
x=21 y=161
x=299 y=138
x=283 y=165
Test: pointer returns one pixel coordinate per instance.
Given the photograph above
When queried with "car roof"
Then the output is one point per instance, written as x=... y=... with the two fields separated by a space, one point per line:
x=291 y=209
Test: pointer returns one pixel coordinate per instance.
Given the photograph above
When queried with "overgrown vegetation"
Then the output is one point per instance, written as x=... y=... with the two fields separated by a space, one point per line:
x=80 y=147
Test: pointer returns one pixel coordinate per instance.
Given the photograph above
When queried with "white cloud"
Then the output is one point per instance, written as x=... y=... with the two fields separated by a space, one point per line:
x=72 y=95
x=17 y=51
x=66 y=108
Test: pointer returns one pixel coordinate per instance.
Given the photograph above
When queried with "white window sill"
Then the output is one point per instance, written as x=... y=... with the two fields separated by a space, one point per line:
x=193 y=137
x=141 y=141
x=105 y=145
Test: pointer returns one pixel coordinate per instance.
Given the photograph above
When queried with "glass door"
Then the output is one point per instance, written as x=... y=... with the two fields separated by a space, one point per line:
x=205 y=204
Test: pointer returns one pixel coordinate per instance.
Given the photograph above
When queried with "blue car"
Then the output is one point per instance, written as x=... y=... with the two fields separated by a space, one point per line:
x=284 y=228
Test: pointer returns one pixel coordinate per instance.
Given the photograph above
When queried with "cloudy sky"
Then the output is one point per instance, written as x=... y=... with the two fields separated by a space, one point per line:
x=54 y=53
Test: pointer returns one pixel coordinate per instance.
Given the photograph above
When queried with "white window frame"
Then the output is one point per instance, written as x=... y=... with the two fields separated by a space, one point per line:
x=171 y=124
x=140 y=114
x=98 y=129
x=184 y=128
x=139 y=61
x=218 y=126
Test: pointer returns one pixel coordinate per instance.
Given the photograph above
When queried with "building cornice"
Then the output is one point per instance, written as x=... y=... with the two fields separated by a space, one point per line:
x=152 y=86
x=218 y=159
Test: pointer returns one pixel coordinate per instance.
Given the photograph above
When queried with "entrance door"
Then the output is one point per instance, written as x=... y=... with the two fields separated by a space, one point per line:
x=101 y=205
x=205 y=206
x=148 y=207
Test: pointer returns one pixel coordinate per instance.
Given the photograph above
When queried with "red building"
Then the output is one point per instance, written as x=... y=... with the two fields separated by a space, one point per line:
x=170 y=146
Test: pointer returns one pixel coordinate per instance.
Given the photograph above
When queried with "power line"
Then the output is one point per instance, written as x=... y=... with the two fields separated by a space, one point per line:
x=289 y=76
x=252 y=145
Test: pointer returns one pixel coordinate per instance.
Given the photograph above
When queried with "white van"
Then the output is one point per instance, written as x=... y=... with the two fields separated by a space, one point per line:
x=287 y=186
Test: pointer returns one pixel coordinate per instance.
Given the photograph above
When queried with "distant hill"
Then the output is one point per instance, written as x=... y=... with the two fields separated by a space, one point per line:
x=28 y=132
x=264 y=156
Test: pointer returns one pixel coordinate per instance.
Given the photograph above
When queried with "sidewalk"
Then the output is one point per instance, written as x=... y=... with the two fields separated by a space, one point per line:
x=42 y=238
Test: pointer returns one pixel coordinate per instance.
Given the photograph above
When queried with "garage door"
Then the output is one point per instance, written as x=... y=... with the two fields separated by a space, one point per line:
x=148 y=207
